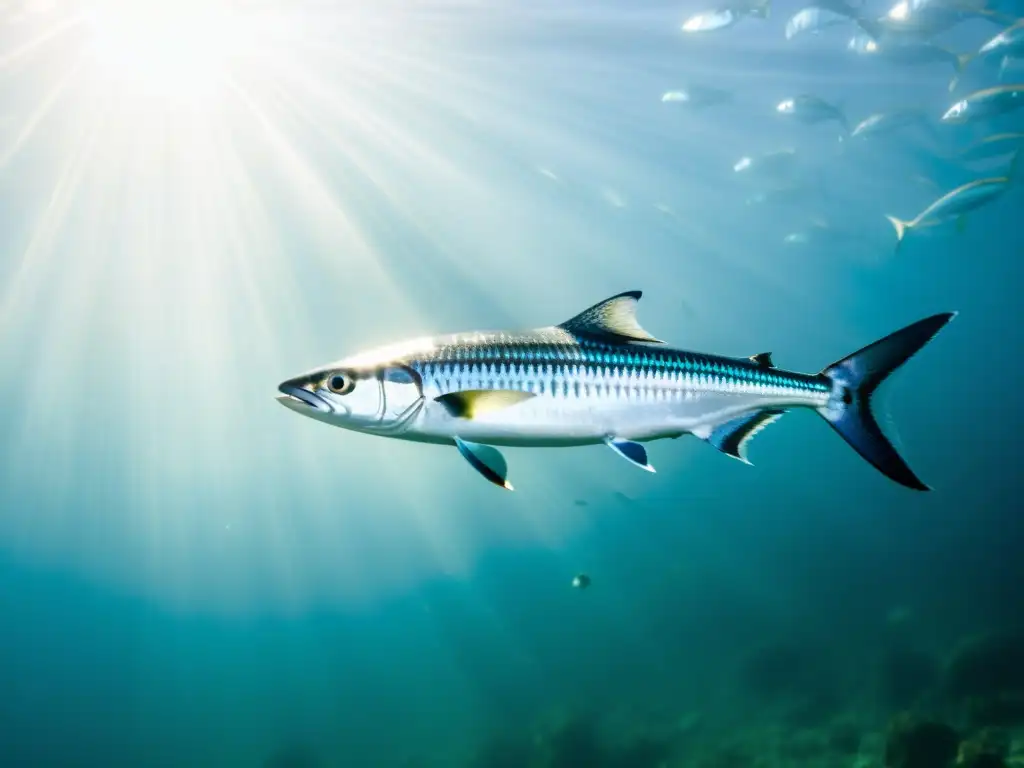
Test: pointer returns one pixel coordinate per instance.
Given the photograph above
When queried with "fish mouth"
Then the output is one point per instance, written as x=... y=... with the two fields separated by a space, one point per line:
x=297 y=398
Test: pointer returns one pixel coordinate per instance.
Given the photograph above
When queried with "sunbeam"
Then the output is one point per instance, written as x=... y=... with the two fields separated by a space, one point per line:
x=168 y=49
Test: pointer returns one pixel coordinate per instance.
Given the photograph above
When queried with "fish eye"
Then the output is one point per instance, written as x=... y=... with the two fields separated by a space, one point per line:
x=340 y=384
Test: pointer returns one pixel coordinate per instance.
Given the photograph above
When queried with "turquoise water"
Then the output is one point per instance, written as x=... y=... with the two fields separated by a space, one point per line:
x=200 y=201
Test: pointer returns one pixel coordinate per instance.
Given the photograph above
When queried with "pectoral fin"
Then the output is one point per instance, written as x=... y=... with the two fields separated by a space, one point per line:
x=471 y=403
x=486 y=460
x=632 y=452
x=731 y=437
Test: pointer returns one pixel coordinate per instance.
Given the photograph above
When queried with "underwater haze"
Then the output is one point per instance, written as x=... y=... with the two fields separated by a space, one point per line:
x=200 y=199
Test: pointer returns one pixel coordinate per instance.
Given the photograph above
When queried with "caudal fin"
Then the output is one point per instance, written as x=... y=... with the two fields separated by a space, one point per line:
x=855 y=379
x=901 y=228
x=959 y=63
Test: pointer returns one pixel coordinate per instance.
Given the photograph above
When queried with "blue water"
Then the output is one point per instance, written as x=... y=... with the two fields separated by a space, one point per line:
x=191 y=575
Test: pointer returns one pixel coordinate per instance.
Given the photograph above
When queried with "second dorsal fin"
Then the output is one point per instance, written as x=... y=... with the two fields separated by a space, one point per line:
x=764 y=359
x=614 y=318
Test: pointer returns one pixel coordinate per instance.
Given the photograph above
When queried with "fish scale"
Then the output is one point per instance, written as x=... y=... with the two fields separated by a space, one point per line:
x=588 y=369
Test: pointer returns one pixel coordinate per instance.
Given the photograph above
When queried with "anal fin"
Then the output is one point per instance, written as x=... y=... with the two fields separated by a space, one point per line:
x=632 y=452
x=731 y=437
x=470 y=403
x=486 y=460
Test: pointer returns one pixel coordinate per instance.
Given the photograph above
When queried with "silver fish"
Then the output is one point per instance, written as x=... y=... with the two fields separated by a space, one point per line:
x=727 y=15
x=782 y=164
x=697 y=96
x=596 y=378
x=812 y=20
x=1009 y=42
x=711 y=21
x=917 y=53
x=911 y=20
x=955 y=205
x=797 y=193
x=882 y=123
x=810 y=110
x=986 y=103
x=821 y=233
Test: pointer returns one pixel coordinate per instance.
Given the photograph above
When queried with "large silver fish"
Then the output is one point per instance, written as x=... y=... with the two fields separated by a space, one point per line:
x=596 y=378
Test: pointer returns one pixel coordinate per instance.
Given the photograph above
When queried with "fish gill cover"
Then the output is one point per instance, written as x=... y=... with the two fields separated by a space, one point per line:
x=206 y=202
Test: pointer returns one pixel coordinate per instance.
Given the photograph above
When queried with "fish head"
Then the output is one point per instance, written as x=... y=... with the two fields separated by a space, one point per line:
x=710 y=21
x=957 y=113
x=996 y=42
x=379 y=399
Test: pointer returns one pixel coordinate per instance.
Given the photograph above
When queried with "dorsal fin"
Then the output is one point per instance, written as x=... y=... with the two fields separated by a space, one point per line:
x=614 y=318
x=764 y=359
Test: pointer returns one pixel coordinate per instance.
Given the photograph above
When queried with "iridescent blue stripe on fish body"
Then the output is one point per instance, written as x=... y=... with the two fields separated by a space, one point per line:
x=593 y=369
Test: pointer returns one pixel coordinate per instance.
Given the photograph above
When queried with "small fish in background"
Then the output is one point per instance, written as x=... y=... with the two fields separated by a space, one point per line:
x=797 y=193
x=581 y=503
x=926 y=181
x=915 y=53
x=921 y=20
x=820 y=232
x=817 y=232
x=777 y=166
x=813 y=20
x=986 y=103
x=811 y=110
x=887 y=123
x=727 y=15
x=1009 y=42
x=955 y=205
x=580 y=581
x=597 y=378
x=995 y=146
x=1007 y=46
x=697 y=97
x=803 y=237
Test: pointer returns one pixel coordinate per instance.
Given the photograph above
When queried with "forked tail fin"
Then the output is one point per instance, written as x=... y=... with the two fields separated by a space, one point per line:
x=855 y=379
